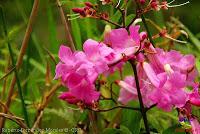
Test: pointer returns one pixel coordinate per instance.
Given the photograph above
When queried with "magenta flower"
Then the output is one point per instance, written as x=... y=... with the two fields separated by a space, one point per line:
x=194 y=97
x=78 y=72
x=80 y=90
x=120 y=40
x=175 y=59
x=124 y=46
x=74 y=62
x=128 y=89
x=195 y=126
x=168 y=88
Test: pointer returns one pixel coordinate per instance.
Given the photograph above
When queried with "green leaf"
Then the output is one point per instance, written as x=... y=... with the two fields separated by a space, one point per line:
x=122 y=130
x=129 y=18
x=176 y=129
x=132 y=120
x=52 y=29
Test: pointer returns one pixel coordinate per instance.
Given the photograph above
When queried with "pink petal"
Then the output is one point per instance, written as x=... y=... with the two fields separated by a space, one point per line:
x=195 y=126
x=65 y=55
x=91 y=49
x=67 y=96
x=119 y=38
x=187 y=62
x=134 y=33
x=151 y=74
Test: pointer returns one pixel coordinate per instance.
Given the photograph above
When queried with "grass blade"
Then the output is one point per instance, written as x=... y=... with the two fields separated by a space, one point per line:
x=15 y=70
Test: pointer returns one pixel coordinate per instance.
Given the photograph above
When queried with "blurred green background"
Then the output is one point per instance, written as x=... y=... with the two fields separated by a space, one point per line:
x=48 y=33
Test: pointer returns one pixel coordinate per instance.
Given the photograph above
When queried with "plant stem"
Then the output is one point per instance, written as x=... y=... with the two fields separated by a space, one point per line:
x=21 y=55
x=66 y=23
x=15 y=70
x=145 y=24
x=142 y=108
x=122 y=11
x=116 y=107
x=93 y=120
x=109 y=21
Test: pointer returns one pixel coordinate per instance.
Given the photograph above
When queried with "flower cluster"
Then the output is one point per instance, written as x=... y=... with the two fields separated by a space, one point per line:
x=163 y=76
x=166 y=79
x=79 y=70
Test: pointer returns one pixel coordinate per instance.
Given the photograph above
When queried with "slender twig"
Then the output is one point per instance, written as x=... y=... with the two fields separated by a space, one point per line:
x=149 y=108
x=111 y=22
x=138 y=14
x=22 y=53
x=37 y=121
x=93 y=120
x=66 y=25
x=13 y=118
x=104 y=98
x=10 y=116
x=50 y=55
x=15 y=70
x=122 y=11
x=47 y=97
x=18 y=120
x=8 y=73
x=142 y=108
x=116 y=107
x=144 y=22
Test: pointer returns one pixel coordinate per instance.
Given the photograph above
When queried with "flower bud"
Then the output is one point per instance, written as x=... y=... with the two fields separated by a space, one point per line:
x=155 y=5
x=143 y=36
x=77 y=10
x=164 y=5
x=80 y=11
x=88 y=4
x=142 y=1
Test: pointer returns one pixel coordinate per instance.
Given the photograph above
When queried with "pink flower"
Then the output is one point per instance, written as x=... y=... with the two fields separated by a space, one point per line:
x=119 y=39
x=124 y=45
x=78 y=72
x=128 y=89
x=175 y=61
x=168 y=88
x=195 y=126
x=194 y=97
x=93 y=51
x=74 y=62
x=80 y=90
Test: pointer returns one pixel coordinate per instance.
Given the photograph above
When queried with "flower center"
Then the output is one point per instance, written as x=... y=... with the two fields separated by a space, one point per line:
x=168 y=69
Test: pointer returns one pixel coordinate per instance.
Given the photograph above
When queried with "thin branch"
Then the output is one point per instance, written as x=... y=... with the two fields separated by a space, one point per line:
x=37 y=121
x=116 y=107
x=138 y=14
x=8 y=73
x=122 y=11
x=149 y=108
x=51 y=56
x=18 y=120
x=15 y=70
x=109 y=21
x=144 y=22
x=143 y=110
x=22 y=53
x=66 y=23
x=93 y=119
x=47 y=97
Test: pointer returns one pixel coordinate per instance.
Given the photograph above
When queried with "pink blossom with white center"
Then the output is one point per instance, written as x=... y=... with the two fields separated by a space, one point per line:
x=168 y=88
x=175 y=61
